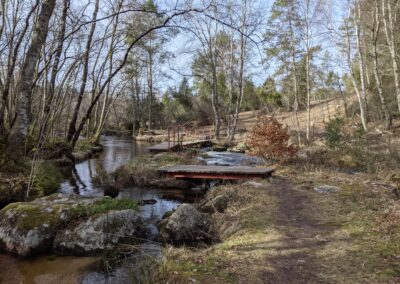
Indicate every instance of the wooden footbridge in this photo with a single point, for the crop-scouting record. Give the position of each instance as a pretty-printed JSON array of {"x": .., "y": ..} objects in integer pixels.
[
  {"x": 179, "y": 138},
  {"x": 216, "y": 172}
]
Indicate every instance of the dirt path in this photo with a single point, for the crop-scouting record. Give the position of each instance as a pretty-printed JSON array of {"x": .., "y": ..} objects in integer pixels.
[
  {"x": 285, "y": 232},
  {"x": 303, "y": 236}
]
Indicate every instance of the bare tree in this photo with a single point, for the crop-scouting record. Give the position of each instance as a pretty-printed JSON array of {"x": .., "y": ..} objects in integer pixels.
[
  {"x": 39, "y": 34},
  {"x": 388, "y": 17},
  {"x": 374, "y": 37},
  {"x": 86, "y": 56}
]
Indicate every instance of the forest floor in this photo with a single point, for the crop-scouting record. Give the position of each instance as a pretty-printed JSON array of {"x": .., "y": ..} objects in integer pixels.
[
  {"x": 320, "y": 113},
  {"x": 283, "y": 231}
]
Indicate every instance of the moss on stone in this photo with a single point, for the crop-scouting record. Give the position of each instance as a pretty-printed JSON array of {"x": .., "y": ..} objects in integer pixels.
[
  {"x": 29, "y": 216},
  {"x": 102, "y": 206}
]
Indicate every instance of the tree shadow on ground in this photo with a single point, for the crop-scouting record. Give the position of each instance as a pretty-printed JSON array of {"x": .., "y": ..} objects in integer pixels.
[{"x": 304, "y": 236}]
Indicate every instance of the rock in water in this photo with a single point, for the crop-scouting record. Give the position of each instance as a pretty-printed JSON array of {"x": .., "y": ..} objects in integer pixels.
[
  {"x": 98, "y": 232},
  {"x": 186, "y": 225},
  {"x": 147, "y": 202},
  {"x": 111, "y": 191},
  {"x": 28, "y": 228}
]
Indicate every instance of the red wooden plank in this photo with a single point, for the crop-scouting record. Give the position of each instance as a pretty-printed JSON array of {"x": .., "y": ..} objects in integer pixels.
[{"x": 216, "y": 176}]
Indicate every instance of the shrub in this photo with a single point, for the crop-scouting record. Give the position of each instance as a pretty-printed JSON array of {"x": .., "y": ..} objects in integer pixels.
[
  {"x": 47, "y": 179},
  {"x": 270, "y": 140},
  {"x": 334, "y": 132}
]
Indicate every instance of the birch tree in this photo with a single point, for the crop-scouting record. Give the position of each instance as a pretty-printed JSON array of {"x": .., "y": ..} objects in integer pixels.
[
  {"x": 377, "y": 73},
  {"x": 39, "y": 34},
  {"x": 389, "y": 11}
]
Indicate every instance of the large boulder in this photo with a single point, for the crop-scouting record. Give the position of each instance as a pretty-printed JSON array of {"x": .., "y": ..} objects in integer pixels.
[
  {"x": 71, "y": 224},
  {"x": 186, "y": 225},
  {"x": 99, "y": 232},
  {"x": 28, "y": 228}
]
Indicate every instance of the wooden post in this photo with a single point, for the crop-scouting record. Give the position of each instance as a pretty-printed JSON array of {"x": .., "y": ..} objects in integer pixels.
[
  {"x": 178, "y": 137},
  {"x": 169, "y": 138},
  {"x": 174, "y": 137}
]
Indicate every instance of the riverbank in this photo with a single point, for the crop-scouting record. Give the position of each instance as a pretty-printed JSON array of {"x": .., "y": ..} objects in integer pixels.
[
  {"x": 154, "y": 203},
  {"x": 15, "y": 179},
  {"x": 143, "y": 172},
  {"x": 287, "y": 229},
  {"x": 284, "y": 231},
  {"x": 310, "y": 223}
]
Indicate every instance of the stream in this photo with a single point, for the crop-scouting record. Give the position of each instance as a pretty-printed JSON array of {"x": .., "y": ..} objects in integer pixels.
[
  {"x": 117, "y": 151},
  {"x": 54, "y": 269}
]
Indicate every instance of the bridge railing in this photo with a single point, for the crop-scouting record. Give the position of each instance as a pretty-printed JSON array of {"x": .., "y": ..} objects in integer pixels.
[{"x": 178, "y": 134}]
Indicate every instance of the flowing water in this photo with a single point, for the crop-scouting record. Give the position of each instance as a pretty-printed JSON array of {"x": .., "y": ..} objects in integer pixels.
[
  {"x": 117, "y": 151},
  {"x": 51, "y": 269},
  {"x": 230, "y": 159}
]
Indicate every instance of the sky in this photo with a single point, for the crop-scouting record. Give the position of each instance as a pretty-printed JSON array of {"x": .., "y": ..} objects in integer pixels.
[{"x": 175, "y": 68}]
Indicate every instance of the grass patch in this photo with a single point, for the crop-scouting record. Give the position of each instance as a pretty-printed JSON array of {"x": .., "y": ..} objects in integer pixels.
[
  {"x": 365, "y": 246},
  {"x": 352, "y": 236},
  {"x": 355, "y": 157},
  {"x": 144, "y": 169}
]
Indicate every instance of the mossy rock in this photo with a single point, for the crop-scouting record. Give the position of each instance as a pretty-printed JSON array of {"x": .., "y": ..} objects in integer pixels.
[
  {"x": 28, "y": 228},
  {"x": 98, "y": 233}
]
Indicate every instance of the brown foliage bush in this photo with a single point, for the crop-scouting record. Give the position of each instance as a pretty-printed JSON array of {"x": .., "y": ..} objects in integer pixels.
[{"x": 270, "y": 139}]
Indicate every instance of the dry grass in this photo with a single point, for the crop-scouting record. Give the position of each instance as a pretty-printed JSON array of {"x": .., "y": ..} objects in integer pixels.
[{"x": 285, "y": 232}]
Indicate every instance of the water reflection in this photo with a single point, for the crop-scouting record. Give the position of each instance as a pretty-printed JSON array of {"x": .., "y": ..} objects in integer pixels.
[
  {"x": 155, "y": 211},
  {"x": 117, "y": 151}
]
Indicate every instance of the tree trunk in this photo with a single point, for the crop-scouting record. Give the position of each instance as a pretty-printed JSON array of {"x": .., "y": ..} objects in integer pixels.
[
  {"x": 392, "y": 45},
  {"x": 18, "y": 133},
  {"x": 374, "y": 37},
  {"x": 241, "y": 72},
  {"x": 361, "y": 62},
  {"x": 12, "y": 59},
  {"x": 352, "y": 75},
  {"x": 150, "y": 86},
  {"x": 295, "y": 83},
  {"x": 308, "y": 85},
  {"x": 346, "y": 111},
  {"x": 54, "y": 70},
  {"x": 72, "y": 126}
]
